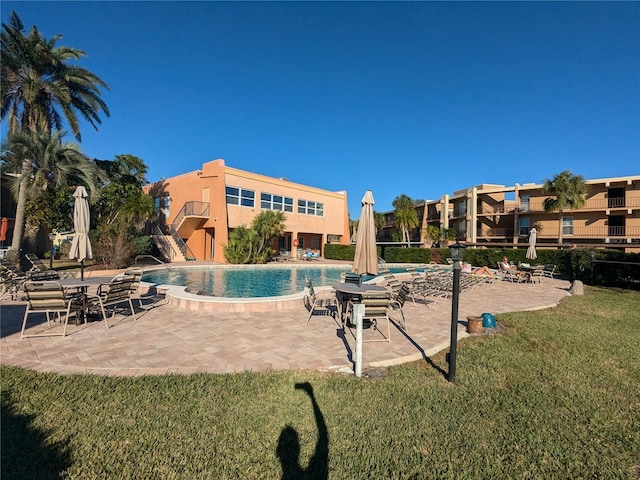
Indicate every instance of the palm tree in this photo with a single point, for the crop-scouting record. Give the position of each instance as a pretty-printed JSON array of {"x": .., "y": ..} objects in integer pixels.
[
  {"x": 43, "y": 163},
  {"x": 122, "y": 201},
  {"x": 405, "y": 215},
  {"x": 430, "y": 235},
  {"x": 267, "y": 225},
  {"x": 40, "y": 90},
  {"x": 568, "y": 192},
  {"x": 379, "y": 221}
]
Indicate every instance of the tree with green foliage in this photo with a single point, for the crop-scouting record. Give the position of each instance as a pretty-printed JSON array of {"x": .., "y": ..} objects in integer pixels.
[
  {"x": 251, "y": 245},
  {"x": 123, "y": 202},
  {"x": 568, "y": 193},
  {"x": 379, "y": 221},
  {"x": 353, "y": 229},
  {"x": 240, "y": 245},
  {"x": 41, "y": 90},
  {"x": 405, "y": 214},
  {"x": 47, "y": 169},
  {"x": 430, "y": 235},
  {"x": 121, "y": 211},
  {"x": 267, "y": 225},
  {"x": 447, "y": 235}
]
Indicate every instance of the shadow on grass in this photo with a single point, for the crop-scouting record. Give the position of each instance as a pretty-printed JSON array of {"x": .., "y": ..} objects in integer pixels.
[
  {"x": 420, "y": 349},
  {"x": 25, "y": 452},
  {"x": 288, "y": 450}
]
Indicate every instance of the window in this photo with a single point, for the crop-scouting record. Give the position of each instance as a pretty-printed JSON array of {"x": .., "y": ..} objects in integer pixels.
[
  {"x": 462, "y": 209},
  {"x": 276, "y": 202},
  {"x": 166, "y": 199},
  {"x": 567, "y": 225},
  {"x": 461, "y": 228},
  {"x": 156, "y": 200},
  {"x": 524, "y": 202},
  {"x": 240, "y": 196},
  {"x": 307, "y": 207},
  {"x": 524, "y": 226}
]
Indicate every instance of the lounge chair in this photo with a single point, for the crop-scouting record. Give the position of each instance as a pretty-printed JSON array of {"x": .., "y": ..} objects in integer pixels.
[
  {"x": 392, "y": 282},
  {"x": 39, "y": 271},
  {"x": 11, "y": 281},
  {"x": 319, "y": 303},
  {"x": 46, "y": 297},
  {"x": 352, "y": 278},
  {"x": 512, "y": 275}
]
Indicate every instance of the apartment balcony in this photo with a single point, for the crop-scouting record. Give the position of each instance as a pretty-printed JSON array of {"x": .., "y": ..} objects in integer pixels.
[
  {"x": 494, "y": 209},
  {"x": 494, "y": 233},
  {"x": 596, "y": 233},
  {"x": 191, "y": 216},
  {"x": 613, "y": 203}
]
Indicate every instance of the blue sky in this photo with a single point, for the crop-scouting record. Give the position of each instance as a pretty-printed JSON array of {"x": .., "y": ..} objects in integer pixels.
[{"x": 420, "y": 98}]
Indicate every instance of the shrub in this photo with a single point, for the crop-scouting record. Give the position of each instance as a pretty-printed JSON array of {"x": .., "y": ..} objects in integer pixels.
[
  {"x": 114, "y": 248},
  {"x": 407, "y": 255},
  {"x": 336, "y": 251}
]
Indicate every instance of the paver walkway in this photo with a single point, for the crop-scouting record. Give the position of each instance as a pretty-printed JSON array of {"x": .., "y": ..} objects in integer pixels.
[{"x": 166, "y": 339}]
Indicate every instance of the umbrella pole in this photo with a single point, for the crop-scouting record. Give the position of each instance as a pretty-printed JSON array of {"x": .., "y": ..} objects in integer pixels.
[{"x": 82, "y": 270}]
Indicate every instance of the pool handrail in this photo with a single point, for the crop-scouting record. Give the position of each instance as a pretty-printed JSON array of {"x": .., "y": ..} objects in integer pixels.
[{"x": 135, "y": 262}]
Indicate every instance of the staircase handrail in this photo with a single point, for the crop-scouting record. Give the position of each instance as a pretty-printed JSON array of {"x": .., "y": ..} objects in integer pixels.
[
  {"x": 184, "y": 248},
  {"x": 165, "y": 247}
]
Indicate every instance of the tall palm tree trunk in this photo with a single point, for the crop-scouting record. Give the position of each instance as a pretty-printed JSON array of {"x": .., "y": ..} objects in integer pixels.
[
  {"x": 18, "y": 226},
  {"x": 560, "y": 238}
]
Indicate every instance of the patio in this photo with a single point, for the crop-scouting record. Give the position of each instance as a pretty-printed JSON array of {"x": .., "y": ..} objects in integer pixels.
[{"x": 166, "y": 339}]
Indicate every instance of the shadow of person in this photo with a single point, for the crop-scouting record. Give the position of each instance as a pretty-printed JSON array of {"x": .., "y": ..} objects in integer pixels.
[{"x": 288, "y": 449}]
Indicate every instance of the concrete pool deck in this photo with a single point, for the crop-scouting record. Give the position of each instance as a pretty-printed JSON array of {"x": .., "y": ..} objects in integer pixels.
[{"x": 167, "y": 339}]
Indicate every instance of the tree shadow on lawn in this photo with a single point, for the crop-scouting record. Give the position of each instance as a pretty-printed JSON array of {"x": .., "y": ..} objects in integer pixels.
[{"x": 25, "y": 453}]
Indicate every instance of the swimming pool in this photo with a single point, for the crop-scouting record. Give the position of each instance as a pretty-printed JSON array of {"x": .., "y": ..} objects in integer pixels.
[{"x": 247, "y": 281}]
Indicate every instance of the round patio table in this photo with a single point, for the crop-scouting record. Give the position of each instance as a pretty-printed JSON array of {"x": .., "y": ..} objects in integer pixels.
[{"x": 350, "y": 292}]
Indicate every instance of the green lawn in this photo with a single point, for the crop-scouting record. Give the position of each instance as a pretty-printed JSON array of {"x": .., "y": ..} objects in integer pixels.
[{"x": 556, "y": 396}]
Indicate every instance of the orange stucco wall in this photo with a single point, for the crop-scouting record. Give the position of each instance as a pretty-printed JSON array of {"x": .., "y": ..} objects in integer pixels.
[{"x": 210, "y": 232}]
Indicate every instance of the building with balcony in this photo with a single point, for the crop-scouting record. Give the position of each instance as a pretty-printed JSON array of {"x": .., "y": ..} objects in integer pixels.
[
  {"x": 499, "y": 215},
  {"x": 200, "y": 208}
]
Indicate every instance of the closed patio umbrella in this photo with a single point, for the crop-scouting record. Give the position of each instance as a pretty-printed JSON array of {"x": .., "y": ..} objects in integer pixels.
[
  {"x": 81, "y": 245},
  {"x": 366, "y": 257},
  {"x": 531, "y": 251}
]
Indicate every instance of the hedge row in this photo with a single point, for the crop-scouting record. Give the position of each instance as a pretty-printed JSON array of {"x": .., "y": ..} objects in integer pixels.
[{"x": 592, "y": 266}]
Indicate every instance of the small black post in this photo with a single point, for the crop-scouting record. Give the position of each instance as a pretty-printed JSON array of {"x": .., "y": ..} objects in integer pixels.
[
  {"x": 82, "y": 270},
  {"x": 454, "y": 321},
  {"x": 51, "y": 237}
]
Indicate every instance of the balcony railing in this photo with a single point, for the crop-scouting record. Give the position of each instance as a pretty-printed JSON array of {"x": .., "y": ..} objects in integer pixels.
[
  {"x": 592, "y": 204},
  {"x": 495, "y": 233},
  {"x": 193, "y": 209},
  {"x": 598, "y": 233},
  {"x": 491, "y": 209}
]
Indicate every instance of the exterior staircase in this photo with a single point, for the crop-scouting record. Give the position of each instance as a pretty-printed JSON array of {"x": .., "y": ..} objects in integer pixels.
[{"x": 167, "y": 246}]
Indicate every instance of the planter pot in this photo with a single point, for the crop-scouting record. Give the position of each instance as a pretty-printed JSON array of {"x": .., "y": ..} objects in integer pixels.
[{"x": 474, "y": 324}]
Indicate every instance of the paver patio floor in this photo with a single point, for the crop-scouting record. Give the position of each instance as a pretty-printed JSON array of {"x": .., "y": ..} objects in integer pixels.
[{"x": 165, "y": 339}]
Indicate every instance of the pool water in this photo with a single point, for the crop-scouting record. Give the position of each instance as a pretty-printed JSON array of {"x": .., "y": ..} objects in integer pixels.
[{"x": 247, "y": 282}]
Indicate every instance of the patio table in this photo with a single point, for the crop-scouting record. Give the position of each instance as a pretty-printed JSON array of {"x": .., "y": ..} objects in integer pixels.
[
  {"x": 77, "y": 291},
  {"x": 346, "y": 292}
]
